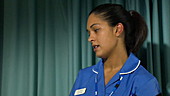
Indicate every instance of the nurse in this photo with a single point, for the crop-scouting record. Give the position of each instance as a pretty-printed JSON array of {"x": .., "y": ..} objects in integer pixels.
[{"x": 116, "y": 35}]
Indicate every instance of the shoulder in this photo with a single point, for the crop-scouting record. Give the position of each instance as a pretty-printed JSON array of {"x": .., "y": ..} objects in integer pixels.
[
  {"x": 145, "y": 83},
  {"x": 86, "y": 71},
  {"x": 141, "y": 74},
  {"x": 84, "y": 74}
]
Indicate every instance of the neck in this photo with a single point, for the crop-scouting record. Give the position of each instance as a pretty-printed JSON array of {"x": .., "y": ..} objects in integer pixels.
[{"x": 116, "y": 60}]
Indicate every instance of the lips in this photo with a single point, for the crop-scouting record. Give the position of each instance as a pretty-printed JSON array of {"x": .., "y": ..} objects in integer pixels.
[{"x": 95, "y": 47}]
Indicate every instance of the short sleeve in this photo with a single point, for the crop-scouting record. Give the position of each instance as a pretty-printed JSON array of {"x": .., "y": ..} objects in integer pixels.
[{"x": 150, "y": 88}]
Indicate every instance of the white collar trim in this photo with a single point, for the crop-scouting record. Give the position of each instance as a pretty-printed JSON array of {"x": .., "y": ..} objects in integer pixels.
[
  {"x": 95, "y": 71},
  {"x": 125, "y": 73},
  {"x": 131, "y": 70}
]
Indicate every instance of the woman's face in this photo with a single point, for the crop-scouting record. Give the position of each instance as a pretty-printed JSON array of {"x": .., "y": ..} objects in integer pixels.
[{"x": 102, "y": 36}]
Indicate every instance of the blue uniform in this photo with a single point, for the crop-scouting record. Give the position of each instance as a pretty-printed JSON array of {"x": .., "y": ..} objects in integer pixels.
[{"x": 132, "y": 80}]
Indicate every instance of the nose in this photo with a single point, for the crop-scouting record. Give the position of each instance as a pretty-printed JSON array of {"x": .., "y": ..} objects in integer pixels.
[{"x": 91, "y": 38}]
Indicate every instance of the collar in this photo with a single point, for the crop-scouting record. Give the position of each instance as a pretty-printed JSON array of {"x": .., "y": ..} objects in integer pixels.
[
  {"x": 131, "y": 65},
  {"x": 98, "y": 67}
]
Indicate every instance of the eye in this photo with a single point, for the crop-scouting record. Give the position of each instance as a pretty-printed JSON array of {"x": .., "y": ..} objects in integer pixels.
[{"x": 96, "y": 30}]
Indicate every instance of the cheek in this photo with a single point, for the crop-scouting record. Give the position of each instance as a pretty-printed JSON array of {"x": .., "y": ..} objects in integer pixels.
[
  {"x": 109, "y": 43},
  {"x": 108, "y": 39}
]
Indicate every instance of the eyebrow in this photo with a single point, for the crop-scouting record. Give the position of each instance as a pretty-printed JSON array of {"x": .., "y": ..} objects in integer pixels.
[{"x": 94, "y": 25}]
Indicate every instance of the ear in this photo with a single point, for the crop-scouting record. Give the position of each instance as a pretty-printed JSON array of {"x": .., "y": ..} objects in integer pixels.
[{"x": 119, "y": 29}]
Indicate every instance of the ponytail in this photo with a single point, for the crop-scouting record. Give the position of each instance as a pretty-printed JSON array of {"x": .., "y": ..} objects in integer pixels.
[{"x": 135, "y": 38}]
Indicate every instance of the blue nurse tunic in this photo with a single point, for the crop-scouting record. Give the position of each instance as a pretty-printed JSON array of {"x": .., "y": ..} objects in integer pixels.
[{"x": 132, "y": 80}]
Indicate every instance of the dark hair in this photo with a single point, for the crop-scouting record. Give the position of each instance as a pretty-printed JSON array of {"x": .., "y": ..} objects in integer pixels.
[{"x": 134, "y": 25}]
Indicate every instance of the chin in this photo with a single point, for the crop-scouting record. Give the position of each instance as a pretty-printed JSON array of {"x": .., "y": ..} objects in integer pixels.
[{"x": 100, "y": 55}]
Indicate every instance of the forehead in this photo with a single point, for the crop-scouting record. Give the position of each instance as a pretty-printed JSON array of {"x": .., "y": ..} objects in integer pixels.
[{"x": 95, "y": 19}]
